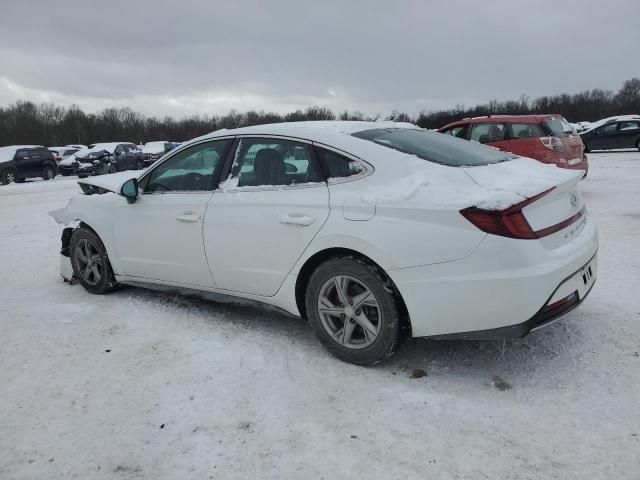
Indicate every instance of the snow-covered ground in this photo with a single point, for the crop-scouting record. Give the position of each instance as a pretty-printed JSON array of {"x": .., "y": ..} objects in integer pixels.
[{"x": 139, "y": 384}]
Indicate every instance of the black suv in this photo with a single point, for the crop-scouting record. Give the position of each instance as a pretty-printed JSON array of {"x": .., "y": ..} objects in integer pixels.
[
  {"x": 19, "y": 162},
  {"x": 621, "y": 133}
]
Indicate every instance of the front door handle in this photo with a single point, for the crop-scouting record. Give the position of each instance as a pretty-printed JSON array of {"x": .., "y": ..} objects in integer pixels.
[
  {"x": 296, "y": 219},
  {"x": 188, "y": 217}
]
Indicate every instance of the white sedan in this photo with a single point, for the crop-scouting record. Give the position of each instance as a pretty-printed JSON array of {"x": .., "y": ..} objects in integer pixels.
[{"x": 370, "y": 231}]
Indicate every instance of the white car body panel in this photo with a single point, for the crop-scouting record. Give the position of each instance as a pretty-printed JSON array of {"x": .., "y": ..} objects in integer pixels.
[
  {"x": 403, "y": 214},
  {"x": 172, "y": 223},
  {"x": 283, "y": 221}
]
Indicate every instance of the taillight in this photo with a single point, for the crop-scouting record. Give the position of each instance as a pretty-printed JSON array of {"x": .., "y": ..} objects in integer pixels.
[
  {"x": 509, "y": 223},
  {"x": 552, "y": 143}
]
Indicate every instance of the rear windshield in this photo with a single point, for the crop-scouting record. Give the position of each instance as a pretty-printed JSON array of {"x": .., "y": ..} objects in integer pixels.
[
  {"x": 558, "y": 127},
  {"x": 435, "y": 147}
]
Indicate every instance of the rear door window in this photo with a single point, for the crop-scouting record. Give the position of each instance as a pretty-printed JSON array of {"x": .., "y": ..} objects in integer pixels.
[
  {"x": 272, "y": 162},
  {"x": 35, "y": 154},
  {"x": 488, "y": 132},
  {"x": 526, "y": 130}
]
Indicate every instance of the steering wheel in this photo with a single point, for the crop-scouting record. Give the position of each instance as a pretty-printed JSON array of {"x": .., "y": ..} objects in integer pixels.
[{"x": 192, "y": 181}]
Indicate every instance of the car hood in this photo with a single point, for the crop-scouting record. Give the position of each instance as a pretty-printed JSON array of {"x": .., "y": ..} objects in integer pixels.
[{"x": 111, "y": 182}]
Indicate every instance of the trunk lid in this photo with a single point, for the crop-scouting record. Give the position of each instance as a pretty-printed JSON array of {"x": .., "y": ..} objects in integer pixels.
[{"x": 557, "y": 216}]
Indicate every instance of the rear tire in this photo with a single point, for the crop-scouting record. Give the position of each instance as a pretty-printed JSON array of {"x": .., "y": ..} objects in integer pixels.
[
  {"x": 48, "y": 172},
  {"x": 586, "y": 147},
  {"x": 90, "y": 262},
  {"x": 349, "y": 297},
  {"x": 638, "y": 145}
]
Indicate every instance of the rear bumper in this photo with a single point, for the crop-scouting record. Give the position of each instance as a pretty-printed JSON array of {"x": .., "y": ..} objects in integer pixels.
[
  {"x": 503, "y": 286},
  {"x": 556, "y": 307}
]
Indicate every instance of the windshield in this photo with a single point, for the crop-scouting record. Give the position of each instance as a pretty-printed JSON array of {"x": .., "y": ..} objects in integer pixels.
[{"x": 435, "y": 147}]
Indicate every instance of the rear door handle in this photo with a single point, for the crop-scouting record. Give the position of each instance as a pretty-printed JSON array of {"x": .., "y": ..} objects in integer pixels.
[
  {"x": 296, "y": 219},
  {"x": 188, "y": 217}
]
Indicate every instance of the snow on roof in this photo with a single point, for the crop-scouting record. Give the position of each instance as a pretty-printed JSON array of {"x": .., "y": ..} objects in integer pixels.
[
  {"x": 320, "y": 131},
  {"x": 7, "y": 153},
  {"x": 154, "y": 147}
]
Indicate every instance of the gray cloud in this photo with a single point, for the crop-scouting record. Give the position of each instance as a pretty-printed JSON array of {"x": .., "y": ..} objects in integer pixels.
[{"x": 207, "y": 57}]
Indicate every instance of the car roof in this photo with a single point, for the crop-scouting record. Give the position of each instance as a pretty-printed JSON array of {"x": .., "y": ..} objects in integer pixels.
[
  {"x": 7, "y": 153},
  {"x": 503, "y": 118},
  {"x": 319, "y": 131}
]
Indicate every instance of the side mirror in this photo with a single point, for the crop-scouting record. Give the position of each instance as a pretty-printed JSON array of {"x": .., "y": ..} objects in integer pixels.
[{"x": 129, "y": 190}]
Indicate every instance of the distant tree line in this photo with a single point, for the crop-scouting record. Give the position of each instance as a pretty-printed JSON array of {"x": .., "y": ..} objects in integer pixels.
[{"x": 24, "y": 122}]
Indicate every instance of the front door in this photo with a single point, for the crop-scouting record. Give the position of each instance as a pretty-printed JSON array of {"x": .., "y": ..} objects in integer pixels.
[
  {"x": 604, "y": 137},
  {"x": 263, "y": 217},
  {"x": 159, "y": 237}
]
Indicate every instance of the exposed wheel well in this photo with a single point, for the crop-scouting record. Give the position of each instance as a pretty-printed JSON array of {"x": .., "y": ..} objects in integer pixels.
[
  {"x": 68, "y": 232},
  {"x": 318, "y": 258}
]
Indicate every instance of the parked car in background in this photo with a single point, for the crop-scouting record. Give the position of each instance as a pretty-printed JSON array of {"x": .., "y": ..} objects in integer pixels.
[
  {"x": 371, "y": 231},
  {"x": 154, "y": 150},
  {"x": 77, "y": 146},
  {"x": 60, "y": 153},
  {"x": 546, "y": 138},
  {"x": 103, "y": 158},
  {"x": 19, "y": 162},
  {"x": 623, "y": 132}
]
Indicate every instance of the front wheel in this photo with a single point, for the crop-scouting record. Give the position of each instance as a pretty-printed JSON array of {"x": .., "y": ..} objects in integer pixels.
[
  {"x": 352, "y": 309},
  {"x": 90, "y": 262}
]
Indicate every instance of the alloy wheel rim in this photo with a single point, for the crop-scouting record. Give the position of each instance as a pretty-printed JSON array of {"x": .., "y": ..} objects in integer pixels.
[
  {"x": 349, "y": 312},
  {"x": 49, "y": 173},
  {"x": 11, "y": 177},
  {"x": 88, "y": 262}
]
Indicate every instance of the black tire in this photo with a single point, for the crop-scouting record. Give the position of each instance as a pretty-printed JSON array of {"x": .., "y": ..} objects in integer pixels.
[
  {"x": 82, "y": 270},
  {"x": 638, "y": 145},
  {"x": 586, "y": 147},
  {"x": 113, "y": 167},
  {"x": 48, "y": 172},
  {"x": 389, "y": 320},
  {"x": 8, "y": 176},
  {"x": 140, "y": 164}
]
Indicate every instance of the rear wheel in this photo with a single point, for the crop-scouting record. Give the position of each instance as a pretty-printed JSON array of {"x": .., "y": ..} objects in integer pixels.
[
  {"x": 48, "y": 173},
  {"x": 352, "y": 310},
  {"x": 90, "y": 262},
  {"x": 8, "y": 176},
  {"x": 638, "y": 145},
  {"x": 586, "y": 147}
]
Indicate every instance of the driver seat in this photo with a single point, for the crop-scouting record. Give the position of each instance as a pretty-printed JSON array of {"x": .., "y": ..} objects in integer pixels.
[{"x": 268, "y": 167}]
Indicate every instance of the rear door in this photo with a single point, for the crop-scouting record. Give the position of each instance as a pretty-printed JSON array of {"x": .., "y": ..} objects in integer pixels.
[
  {"x": 525, "y": 138},
  {"x": 491, "y": 133},
  {"x": 628, "y": 134},
  {"x": 263, "y": 217}
]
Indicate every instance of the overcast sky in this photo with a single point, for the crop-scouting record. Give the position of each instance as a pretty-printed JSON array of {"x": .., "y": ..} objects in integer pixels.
[{"x": 205, "y": 56}]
